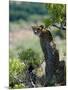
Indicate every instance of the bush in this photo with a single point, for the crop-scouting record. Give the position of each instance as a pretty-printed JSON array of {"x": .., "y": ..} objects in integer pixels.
[
  {"x": 29, "y": 56},
  {"x": 19, "y": 86},
  {"x": 16, "y": 69}
]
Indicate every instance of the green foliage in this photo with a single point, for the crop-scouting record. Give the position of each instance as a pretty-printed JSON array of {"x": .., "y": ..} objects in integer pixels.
[
  {"x": 15, "y": 70},
  {"x": 19, "y": 86},
  {"x": 18, "y": 68},
  {"x": 29, "y": 57},
  {"x": 57, "y": 12},
  {"x": 23, "y": 10},
  {"x": 47, "y": 22}
]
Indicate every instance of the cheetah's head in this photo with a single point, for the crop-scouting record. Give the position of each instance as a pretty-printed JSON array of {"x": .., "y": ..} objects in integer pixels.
[{"x": 37, "y": 29}]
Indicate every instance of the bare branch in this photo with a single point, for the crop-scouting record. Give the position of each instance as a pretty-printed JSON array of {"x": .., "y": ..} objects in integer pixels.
[{"x": 59, "y": 27}]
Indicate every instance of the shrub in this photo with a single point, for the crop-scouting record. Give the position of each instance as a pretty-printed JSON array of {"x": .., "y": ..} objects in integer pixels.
[
  {"x": 29, "y": 57},
  {"x": 16, "y": 69},
  {"x": 19, "y": 86}
]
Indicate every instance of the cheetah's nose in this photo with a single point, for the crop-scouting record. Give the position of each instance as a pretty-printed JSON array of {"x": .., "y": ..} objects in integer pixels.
[{"x": 35, "y": 32}]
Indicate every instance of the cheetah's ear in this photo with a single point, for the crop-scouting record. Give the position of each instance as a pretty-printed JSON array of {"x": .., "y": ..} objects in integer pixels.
[
  {"x": 44, "y": 29},
  {"x": 41, "y": 26}
]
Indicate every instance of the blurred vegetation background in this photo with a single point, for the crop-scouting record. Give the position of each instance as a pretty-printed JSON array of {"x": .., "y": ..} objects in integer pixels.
[{"x": 24, "y": 45}]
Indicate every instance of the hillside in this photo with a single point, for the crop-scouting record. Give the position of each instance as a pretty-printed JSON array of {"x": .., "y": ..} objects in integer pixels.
[{"x": 25, "y": 10}]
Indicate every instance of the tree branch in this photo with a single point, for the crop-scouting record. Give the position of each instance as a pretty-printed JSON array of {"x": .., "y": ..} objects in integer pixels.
[{"x": 59, "y": 27}]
